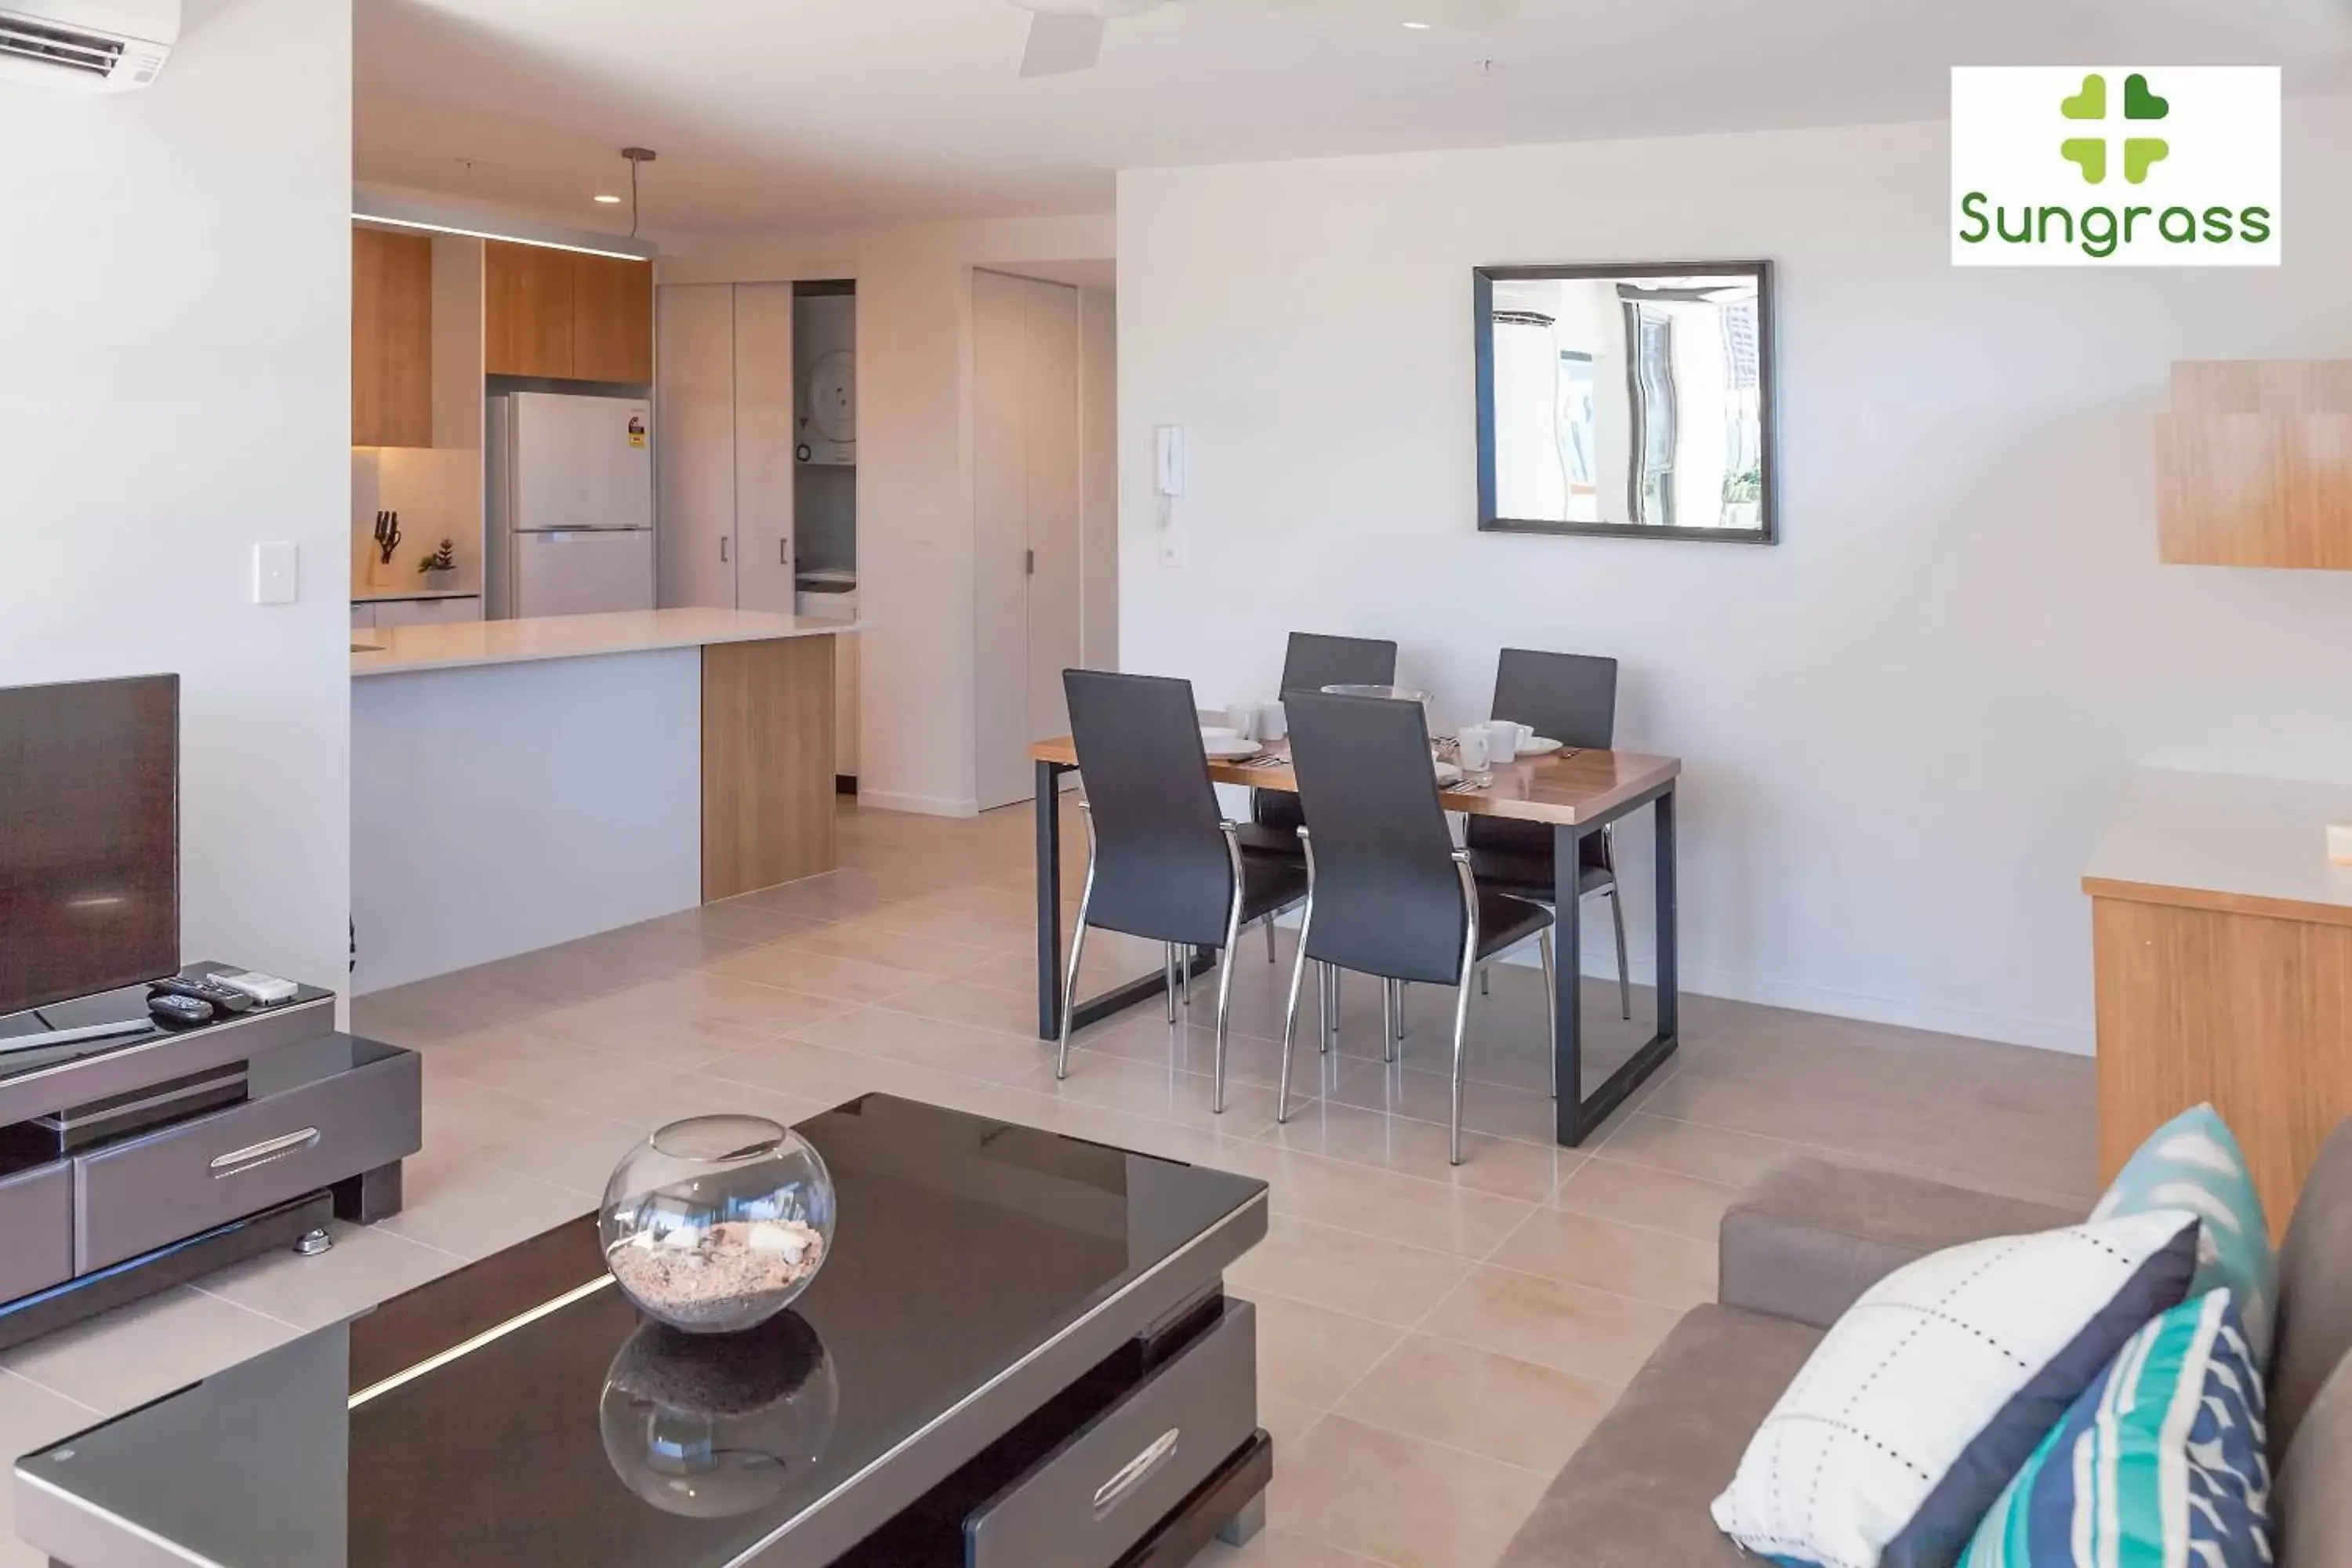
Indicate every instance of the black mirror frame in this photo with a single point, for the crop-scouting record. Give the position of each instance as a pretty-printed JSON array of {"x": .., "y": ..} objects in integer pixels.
[{"x": 1482, "y": 281}]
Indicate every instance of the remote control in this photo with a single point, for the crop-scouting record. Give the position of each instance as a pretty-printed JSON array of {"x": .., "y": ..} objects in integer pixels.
[
  {"x": 220, "y": 998},
  {"x": 179, "y": 1012}
]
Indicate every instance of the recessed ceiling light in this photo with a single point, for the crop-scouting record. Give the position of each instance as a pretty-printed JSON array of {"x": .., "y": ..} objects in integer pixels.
[
  {"x": 1418, "y": 27},
  {"x": 609, "y": 201}
]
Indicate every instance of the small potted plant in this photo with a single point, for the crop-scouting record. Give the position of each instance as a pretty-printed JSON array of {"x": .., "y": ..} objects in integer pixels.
[{"x": 439, "y": 569}]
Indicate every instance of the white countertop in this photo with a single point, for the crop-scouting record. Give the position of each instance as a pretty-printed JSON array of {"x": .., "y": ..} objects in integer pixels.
[
  {"x": 2222, "y": 834},
  {"x": 394, "y": 596},
  {"x": 393, "y": 651}
]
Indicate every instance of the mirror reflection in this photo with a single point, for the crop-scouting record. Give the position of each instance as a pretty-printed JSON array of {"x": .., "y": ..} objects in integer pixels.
[{"x": 1625, "y": 400}]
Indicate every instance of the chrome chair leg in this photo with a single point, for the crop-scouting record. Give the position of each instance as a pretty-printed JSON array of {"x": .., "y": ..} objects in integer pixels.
[
  {"x": 1168, "y": 977},
  {"x": 1624, "y": 977},
  {"x": 1483, "y": 989},
  {"x": 1389, "y": 1011},
  {"x": 1070, "y": 981},
  {"x": 1269, "y": 939},
  {"x": 1329, "y": 1019},
  {"x": 1290, "y": 1009},
  {"x": 1225, "y": 958},
  {"x": 1462, "y": 996},
  {"x": 1552, "y": 1012}
]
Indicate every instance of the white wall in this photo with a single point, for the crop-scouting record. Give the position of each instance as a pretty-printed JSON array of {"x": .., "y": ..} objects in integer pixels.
[
  {"x": 176, "y": 384},
  {"x": 914, "y": 479},
  {"x": 1901, "y": 726}
]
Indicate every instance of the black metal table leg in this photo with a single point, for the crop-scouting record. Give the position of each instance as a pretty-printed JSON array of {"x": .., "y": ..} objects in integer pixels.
[
  {"x": 1049, "y": 900},
  {"x": 1577, "y": 1115}
]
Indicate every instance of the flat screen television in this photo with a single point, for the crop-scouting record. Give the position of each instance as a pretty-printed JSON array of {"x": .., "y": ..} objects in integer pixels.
[{"x": 89, "y": 838}]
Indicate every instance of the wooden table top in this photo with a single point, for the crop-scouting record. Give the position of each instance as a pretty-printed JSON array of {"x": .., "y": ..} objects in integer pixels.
[{"x": 1569, "y": 786}]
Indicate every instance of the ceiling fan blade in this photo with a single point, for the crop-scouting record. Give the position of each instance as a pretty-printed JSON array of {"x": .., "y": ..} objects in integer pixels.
[
  {"x": 1466, "y": 14},
  {"x": 1060, "y": 43}
]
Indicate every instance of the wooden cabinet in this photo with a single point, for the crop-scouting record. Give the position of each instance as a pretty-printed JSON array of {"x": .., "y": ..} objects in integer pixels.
[
  {"x": 2254, "y": 464},
  {"x": 612, "y": 320},
  {"x": 527, "y": 305},
  {"x": 565, "y": 316},
  {"x": 391, "y": 339}
]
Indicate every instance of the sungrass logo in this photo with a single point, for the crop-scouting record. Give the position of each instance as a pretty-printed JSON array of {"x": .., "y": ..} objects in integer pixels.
[{"x": 2119, "y": 166}]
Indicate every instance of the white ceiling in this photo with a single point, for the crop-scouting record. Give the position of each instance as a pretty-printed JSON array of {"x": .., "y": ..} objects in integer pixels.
[{"x": 777, "y": 114}]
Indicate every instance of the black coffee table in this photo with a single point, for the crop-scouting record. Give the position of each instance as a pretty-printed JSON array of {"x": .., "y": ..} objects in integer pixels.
[{"x": 1018, "y": 1355}]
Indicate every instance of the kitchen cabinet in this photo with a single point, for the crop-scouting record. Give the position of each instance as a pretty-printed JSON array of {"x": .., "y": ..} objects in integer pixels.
[
  {"x": 723, "y": 465},
  {"x": 379, "y": 614},
  {"x": 2253, "y": 465},
  {"x": 391, "y": 339},
  {"x": 561, "y": 315}
]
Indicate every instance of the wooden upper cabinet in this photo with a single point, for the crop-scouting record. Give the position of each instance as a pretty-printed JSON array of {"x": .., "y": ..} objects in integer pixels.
[
  {"x": 559, "y": 314},
  {"x": 2254, "y": 464},
  {"x": 612, "y": 320},
  {"x": 527, "y": 303},
  {"x": 391, "y": 339}
]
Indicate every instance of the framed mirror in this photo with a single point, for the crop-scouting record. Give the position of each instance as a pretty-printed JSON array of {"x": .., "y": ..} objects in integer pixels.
[{"x": 1632, "y": 400}]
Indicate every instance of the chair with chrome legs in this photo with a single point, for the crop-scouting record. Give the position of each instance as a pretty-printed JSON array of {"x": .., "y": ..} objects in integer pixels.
[
  {"x": 1311, "y": 661},
  {"x": 1162, "y": 863},
  {"x": 1572, "y": 698},
  {"x": 1386, "y": 892}
]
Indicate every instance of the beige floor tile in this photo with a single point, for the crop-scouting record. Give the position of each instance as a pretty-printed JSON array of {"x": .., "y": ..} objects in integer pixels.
[
  {"x": 814, "y": 1072},
  {"x": 950, "y": 928},
  {"x": 1162, "y": 1094},
  {"x": 690, "y": 1019},
  {"x": 465, "y": 1207},
  {"x": 149, "y": 1348},
  {"x": 1363, "y": 1276},
  {"x": 1615, "y": 1189},
  {"x": 366, "y": 1266},
  {"x": 1274, "y": 1549},
  {"x": 1514, "y": 1169},
  {"x": 964, "y": 1002},
  {"x": 1102, "y": 1124},
  {"x": 1493, "y": 1406},
  {"x": 1285, "y": 1420},
  {"x": 1590, "y": 1332},
  {"x": 1492, "y": 1109},
  {"x": 574, "y": 1150},
  {"x": 461, "y": 1114},
  {"x": 1445, "y": 1216},
  {"x": 1578, "y": 1250},
  {"x": 1710, "y": 1153},
  {"x": 1312, "y": 1355},
  {"x": 32, "y": 1417},
  {"x": 827, "y": 975},
  {"x": 1402, "y": 1499},
  {"x": 1193, "y": 1046},
  {"x": 932, "y": 1043},
  {"x": 891, "y": 950}
]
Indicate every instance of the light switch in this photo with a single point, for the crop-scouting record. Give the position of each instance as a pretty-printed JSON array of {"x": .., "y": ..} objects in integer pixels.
[{"x": 275, "y": 575}]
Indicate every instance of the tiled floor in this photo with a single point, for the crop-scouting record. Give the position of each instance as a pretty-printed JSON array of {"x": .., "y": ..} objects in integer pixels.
[{"x": 1434, "y": 1341}]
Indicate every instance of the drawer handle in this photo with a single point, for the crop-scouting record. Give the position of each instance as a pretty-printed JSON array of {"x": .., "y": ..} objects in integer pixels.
[
  {"x": 1130, "y": 1474},
  {"x": 261, "y": 1154}
]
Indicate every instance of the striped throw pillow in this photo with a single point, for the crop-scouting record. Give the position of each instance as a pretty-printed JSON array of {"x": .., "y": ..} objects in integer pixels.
[{"x": 2160, "y": 1464}]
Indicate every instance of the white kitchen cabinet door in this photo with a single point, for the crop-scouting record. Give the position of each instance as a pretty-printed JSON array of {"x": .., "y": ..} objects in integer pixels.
[
  {"x": 426, "y": 612},
  {"x": 694, "y": 397},
  {"x": 763, "y": 447}
]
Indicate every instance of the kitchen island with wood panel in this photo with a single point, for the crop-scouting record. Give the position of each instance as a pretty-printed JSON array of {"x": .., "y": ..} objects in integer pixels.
[{"x": 518, "y": 784}]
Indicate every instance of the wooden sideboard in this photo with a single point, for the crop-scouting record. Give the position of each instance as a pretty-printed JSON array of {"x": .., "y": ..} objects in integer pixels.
[{"x": 2221, "y": 942}]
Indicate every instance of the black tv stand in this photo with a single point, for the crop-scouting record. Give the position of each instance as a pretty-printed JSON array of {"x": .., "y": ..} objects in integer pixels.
[{"x": 131, "y": 1163}]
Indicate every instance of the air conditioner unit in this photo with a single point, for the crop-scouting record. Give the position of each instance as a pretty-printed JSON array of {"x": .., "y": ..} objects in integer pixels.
[{"x": 87, "y": 46}]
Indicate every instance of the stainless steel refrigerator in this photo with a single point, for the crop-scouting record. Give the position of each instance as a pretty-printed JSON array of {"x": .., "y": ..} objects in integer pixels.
[{"x": 570, "y": 483}]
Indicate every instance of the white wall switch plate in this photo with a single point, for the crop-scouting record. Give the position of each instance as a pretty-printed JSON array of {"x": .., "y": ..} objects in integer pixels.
[{"x": 277, "y": 576}]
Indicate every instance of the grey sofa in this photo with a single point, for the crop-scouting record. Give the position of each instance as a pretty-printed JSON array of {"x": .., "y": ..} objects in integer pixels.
[{"x": 1796, "y": 1252}]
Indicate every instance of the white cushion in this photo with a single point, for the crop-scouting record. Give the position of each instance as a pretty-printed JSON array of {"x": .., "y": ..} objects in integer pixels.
[{"x": 1934, "y": 1387}]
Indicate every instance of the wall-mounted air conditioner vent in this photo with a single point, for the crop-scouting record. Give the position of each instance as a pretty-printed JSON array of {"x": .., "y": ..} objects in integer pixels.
[{"x": 92, "y": 46}]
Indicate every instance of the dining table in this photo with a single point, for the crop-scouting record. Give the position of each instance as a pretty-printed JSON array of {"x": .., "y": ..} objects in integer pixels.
[{"x": 1577, "y": 791}]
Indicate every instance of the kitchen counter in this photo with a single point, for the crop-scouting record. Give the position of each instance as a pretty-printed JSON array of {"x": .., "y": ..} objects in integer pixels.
[
  {"x": 2225, "y": 842},
  {"x": 398, "y": 595},
  {"x": 396, "y": 650}
]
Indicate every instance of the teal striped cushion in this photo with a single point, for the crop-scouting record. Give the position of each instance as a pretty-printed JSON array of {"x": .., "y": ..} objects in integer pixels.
[
  {"x": 2160, "y": 1464},
  {"x": 2193, "y": 1162}
]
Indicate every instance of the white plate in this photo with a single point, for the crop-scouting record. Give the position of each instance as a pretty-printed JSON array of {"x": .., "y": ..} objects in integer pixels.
[
  {"x": 1540, "y": 746},
  {"x": 1232, "y": 751},
  {"x": 1447, "y": 773}
]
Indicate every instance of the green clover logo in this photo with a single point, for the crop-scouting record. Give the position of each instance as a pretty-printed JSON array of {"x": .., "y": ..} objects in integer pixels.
[{"x": 2089, "y": 153}]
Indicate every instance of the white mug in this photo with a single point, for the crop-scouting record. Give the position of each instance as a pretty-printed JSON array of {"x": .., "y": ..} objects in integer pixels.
[
  {"x": 1470, "y": 743},
  {"x": 1243, "y": 717},
  {"x": 1272, "y": 725},
  {"x": 1502, "y": 741}
]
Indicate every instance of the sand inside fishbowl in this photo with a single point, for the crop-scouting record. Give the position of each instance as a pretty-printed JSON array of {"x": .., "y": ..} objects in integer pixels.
[{"x": 716, "y": 1275}]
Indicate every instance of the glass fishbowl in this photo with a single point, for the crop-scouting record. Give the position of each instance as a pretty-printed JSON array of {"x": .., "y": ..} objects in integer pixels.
[
  {"x": 715, "y": 1224},
  {"x": 708, "y": 1425}
]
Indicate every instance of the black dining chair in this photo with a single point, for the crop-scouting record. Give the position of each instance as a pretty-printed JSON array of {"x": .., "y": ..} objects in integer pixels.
[
  {"x": 1388, "y": 893},
  {"x": 1572, "y": 698},
  {"x": 1162, "y": 863},
  {"x": 1312, "y": 661}
]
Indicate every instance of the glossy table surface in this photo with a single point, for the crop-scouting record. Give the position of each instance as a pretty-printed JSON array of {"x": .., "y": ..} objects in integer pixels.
[
  {"x": 520, "y": 1411},
  {"x": 1568, "y": 787}
]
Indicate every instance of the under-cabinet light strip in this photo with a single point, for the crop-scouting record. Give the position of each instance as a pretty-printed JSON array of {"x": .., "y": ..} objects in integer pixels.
[{"x": 487, "y": 233}]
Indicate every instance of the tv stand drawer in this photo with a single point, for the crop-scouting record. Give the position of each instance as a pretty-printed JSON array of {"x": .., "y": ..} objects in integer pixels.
[
  {"x": 35, "y": 1230},
  {"x": 146, "y": 1191}
]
